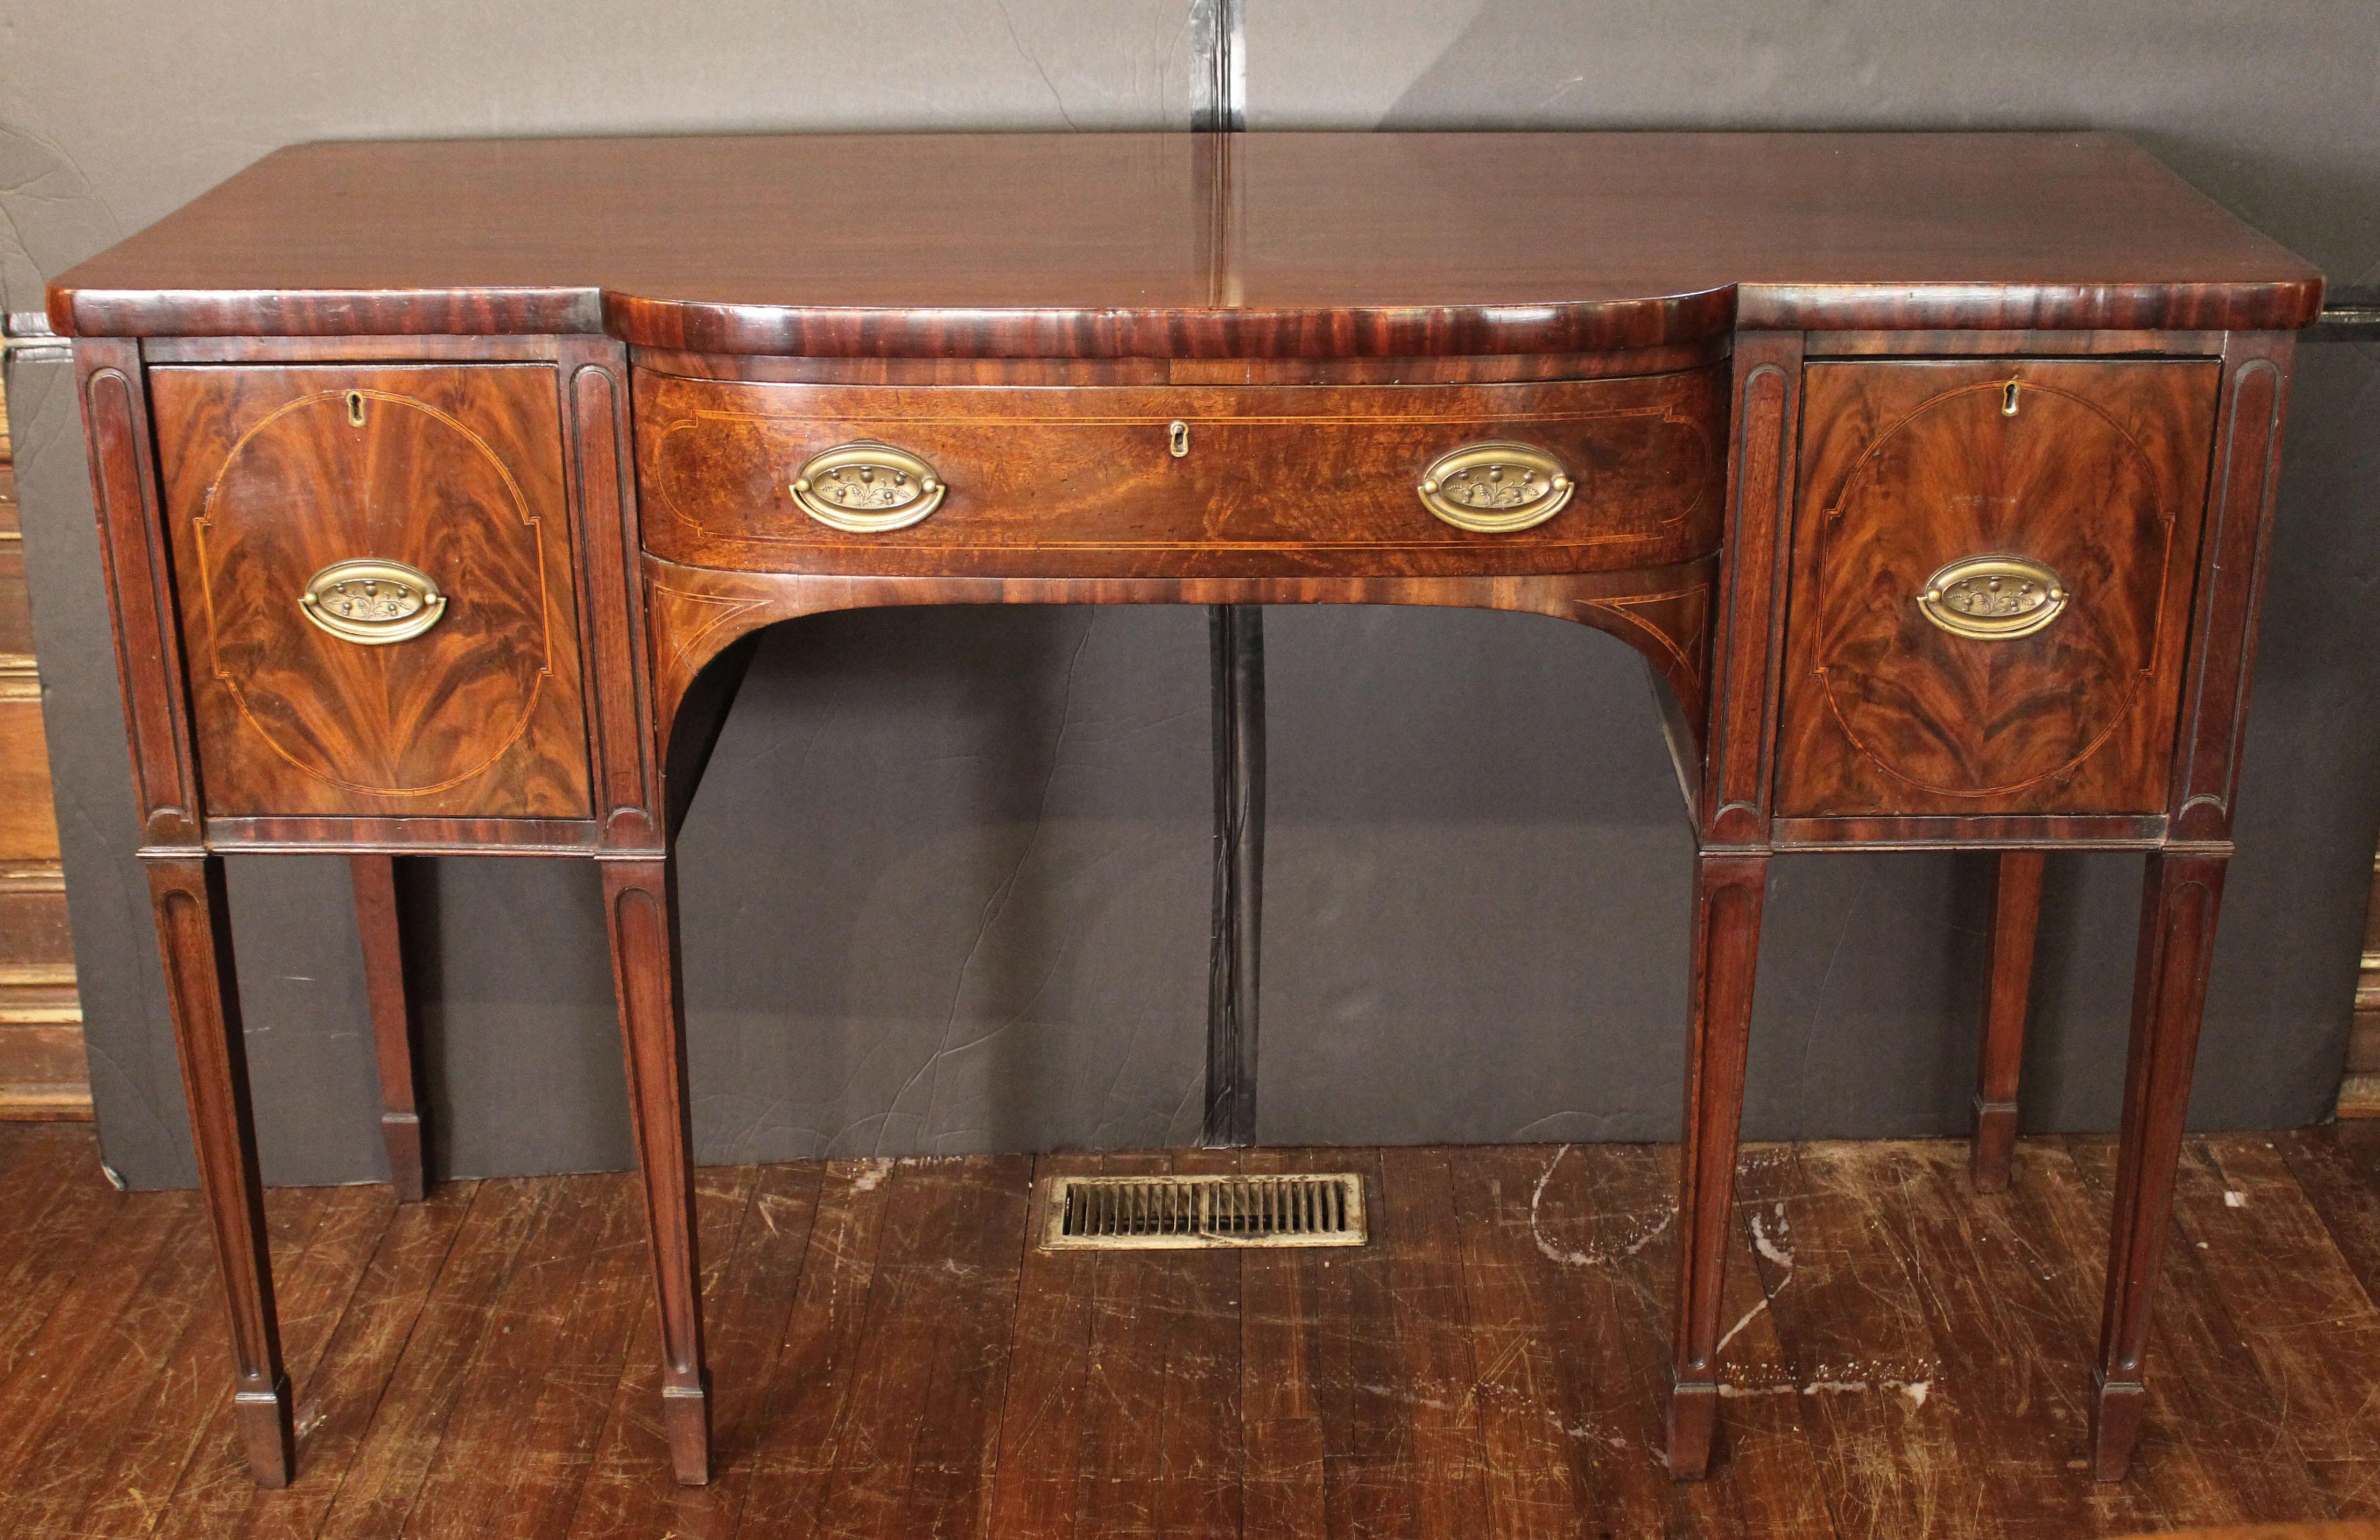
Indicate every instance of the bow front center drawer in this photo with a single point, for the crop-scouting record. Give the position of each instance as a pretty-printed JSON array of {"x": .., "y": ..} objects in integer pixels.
[{"x": 1199, "y": 481}]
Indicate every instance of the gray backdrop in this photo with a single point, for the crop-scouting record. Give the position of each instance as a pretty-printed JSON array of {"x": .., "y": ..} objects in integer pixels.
[{"x": 979, "y": 919}]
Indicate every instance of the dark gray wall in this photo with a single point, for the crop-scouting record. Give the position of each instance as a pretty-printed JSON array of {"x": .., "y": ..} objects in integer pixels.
[{"x": 983, "y": 923}]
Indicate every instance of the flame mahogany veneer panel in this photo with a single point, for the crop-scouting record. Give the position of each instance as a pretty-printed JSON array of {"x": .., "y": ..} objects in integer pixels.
[
  {"x": 2100, "y": 473},
  {"x": 456, "y": 470}
]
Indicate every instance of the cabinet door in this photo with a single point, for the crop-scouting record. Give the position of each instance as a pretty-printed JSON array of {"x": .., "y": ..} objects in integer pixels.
[
  {"x": 1992, "y": 569},
  {"x": 374, "y": 575}
]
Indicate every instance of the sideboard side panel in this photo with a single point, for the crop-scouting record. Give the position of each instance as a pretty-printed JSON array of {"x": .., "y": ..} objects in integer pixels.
[
  {"x": 1748, "y": 643},
  {"x": 2243, "y": 482}
]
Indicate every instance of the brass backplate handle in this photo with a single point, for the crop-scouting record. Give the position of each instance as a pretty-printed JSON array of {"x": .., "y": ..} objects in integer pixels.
[
  {"x": 372, "y": 602},
  {"x": 1993, "y": 598},
  {"x": 868, "y": 488},
  {"x": 1495, "y": 488}
]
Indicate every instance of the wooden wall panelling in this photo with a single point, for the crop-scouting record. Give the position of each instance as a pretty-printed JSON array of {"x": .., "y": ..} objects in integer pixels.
[
  {"x": 42, "y": 1074},
  {"x": 29, "y": 827},
  {"x": 2359, "y": 1089}
]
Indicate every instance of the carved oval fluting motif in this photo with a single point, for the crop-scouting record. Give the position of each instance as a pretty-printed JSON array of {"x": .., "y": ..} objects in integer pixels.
[
  {"x": 1494, "y": 487},
  {"x": 855, "y": 488},
  {"x": 868, "y": 488},
  {"x": 367, "y": 598}
]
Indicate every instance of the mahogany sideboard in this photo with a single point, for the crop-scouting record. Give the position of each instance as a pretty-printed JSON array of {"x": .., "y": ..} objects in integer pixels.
[{"x": 443, "y": 485}]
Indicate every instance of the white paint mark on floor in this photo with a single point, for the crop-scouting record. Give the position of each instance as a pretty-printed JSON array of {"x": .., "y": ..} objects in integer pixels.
[
  {"x": 2235, "y": 1200},
  {"x": 1917, "y": 1390},
  {"x": 1773, "y": 1246},
  {"x": 1644, "y": 1229}
]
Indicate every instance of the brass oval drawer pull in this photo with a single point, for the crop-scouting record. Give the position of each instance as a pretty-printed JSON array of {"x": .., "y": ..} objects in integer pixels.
[
  {"x": 372, "y": 602},
  {"x": 1993, "y": 598},
  {"x": 868, "y": 488},
  {"x": 1494, "y": 488}
]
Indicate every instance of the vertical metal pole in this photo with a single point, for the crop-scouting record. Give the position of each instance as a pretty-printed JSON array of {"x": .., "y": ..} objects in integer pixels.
[
  {"x": 1235, "y": 633},
  {"x": 1219, "y": 43}
]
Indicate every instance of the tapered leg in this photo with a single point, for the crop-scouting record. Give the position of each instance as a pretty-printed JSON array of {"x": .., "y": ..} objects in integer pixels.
[
  {"x": 640, "y": 897},
  {"x": 1727, "y": 893},
  {"x": 391, "y": 1021},
  {"x": 194, "y": 934},
  {"x": 2178, "y": 912},
  {"x": 2016, "y": 917}
]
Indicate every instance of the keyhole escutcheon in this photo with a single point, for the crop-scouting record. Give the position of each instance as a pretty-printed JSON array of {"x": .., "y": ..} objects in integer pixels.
[{"x": 1177, "y": 440}]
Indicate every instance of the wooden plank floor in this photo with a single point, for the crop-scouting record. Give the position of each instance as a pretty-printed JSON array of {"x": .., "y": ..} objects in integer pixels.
[{"x": 1905, "y": 1359}]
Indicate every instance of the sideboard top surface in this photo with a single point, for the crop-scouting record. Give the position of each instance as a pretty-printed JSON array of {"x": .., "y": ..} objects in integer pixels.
[{"x": 1177, "y": 245}]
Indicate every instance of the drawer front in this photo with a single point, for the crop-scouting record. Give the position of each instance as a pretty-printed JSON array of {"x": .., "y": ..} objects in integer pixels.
[
  {"x": 1184, "y": 480},
  {"x": 1992, "y": 570},
  {"x": 374, "y": 574}
]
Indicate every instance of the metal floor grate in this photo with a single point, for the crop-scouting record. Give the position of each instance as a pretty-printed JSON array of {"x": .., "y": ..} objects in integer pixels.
[{"x": 1105, "y": 1212}]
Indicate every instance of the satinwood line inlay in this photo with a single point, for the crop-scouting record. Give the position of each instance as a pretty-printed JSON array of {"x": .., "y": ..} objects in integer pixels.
[
  {"x": 1663, "y": 415},
  {"x": 201, "y": 525},
  {"x": 2135, "y": 683}
]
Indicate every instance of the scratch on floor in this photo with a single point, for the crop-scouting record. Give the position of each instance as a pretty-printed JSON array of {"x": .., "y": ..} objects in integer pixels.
[{"x": 1646, "y": 1228}]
